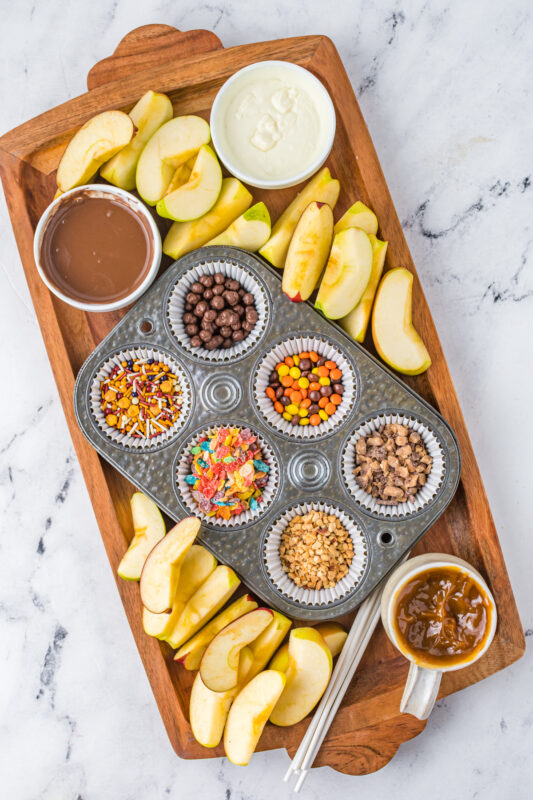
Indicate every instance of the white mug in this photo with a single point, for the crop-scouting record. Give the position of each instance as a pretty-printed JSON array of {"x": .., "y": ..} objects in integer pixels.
[{"x": 423, "y": 682}]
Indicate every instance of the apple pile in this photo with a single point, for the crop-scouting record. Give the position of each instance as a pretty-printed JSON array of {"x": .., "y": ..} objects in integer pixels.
[{"x": 236, "y": 689}]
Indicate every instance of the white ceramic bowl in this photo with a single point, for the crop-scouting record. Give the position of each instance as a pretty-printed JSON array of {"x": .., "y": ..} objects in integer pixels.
[
  {"x": 219, "y": 108},
  {"x": 100, "y": 190}
]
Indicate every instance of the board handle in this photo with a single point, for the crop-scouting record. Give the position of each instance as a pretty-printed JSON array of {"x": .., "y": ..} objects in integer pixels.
[{"x": 149, "y": 46}]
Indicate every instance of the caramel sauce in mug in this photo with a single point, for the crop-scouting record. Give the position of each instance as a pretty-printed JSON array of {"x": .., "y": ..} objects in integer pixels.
[{"x": 442, "y": 617}]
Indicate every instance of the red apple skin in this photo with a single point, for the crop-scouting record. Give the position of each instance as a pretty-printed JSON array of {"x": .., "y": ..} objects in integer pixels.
[{"x": 296, "y": 299}]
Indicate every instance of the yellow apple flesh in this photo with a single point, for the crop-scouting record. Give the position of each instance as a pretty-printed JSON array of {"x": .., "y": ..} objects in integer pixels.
[
  {"x": 220, "y": 662},
  {"x": 249, "y": 231},
  {"x": 148, "y": 529},
  {"x": 197, "y": 566},
  {"x": 208, "y": 711},
  {"x": 394, "y": 335},
  {"x": 203, "y": 605},
  {"x": 161, "y": 571},
  {"x": 148, "y": 114},
  {"x": 198, "y": 194},
  {"x": 322, "y": 188},
  {"x": 347, "y": 273},
  {"x": 267, "y": 642},
  {"x": 308, "y": 674},
  {"x": 234, "y": 199},
  {"x": 356, "y": 322},
  {"x": 358, "y": 216},
  {"x": 308, "y": 252},
  {"x": 95, "y": 142},
  {"x": 249, "y": 713},
  {"x": 170, "y": 146},
  {"x": 190, "y": 654},
  {"x": 334, "y": 636}
]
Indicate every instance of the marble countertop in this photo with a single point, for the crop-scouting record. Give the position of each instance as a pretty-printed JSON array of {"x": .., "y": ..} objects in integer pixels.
[{"x": 444, "y": 90}]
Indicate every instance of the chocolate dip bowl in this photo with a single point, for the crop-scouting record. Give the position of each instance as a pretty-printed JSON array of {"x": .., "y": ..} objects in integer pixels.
[{"x": 97, "y": 248}]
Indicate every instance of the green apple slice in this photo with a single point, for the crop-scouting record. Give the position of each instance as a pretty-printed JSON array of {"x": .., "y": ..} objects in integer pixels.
[
  {"x": 170, "y": 146},
  {"x": 234, "y": 199},
  {"x": 356, "y": 322},
  {"x": 98, "y": 140},
  {"x": 161, "y": 571},
  {"x": 358, "y": 216},
  {"x": 148, "y": 114},
  {"x": 347, "y": 273},
  {"x": 148, "y": 529},
  {"x": 250, "y": 231},
  {"x": 195, "y": 197}
]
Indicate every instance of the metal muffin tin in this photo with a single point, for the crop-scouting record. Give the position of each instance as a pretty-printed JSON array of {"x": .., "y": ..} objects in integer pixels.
[{"x": 309, "y": 470}]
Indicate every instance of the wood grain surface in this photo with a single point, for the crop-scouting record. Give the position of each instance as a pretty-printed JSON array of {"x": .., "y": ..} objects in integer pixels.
[{"x": 190, "y": 67}]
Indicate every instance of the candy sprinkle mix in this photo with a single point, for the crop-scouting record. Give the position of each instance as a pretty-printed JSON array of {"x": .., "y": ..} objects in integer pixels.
[
  {"x": 227, "y": 473},
  {"x": 141, "y": 398}
]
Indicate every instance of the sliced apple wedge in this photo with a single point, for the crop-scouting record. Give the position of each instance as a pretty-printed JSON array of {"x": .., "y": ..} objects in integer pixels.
[
  {"x": 161, "y": 571},
  {"x": 197, "y": 566},
  {"x": 334, "y": 636},
  {"x": 148, "y": 529},
  {"x": 356, "y": 322},
  {"x": 181, "y": 176},
  {"x": 308, "y": 674},
  {"x": 190, "y": 654},
  {"x": 95, "y": 142},
  {"x": 395, "y": 337},
  {"x": 322, "y": 188},
  {"x": 347, "y": 273},
  {"x": 249, "y": 231},
  {"x": 220, "y": 662},
  {"x": 249, "y": 713},
  {"x": 234, "y": 199},
  {"x": 203, "y": 605},
  {"x": 195, "y": 197},
  {"x": 267, "y": 642},
  {"x": 171, "y": 145},
  {"x": 148, "y": 114},
  {"x": 358, "y": 216},
  {"x": 308, "y": 252},
  {"x": 208, "y": 711}
]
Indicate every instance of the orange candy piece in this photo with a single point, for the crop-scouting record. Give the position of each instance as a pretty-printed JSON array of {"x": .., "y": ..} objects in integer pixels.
[
  {"x": 305, "y": 403},
  {"x": 279, "y": 407},
  {"x": 330, "y": 409},
  {"x": 295, "y": 397},
  {"x": 314, "y": 387},
  {"x": 323, "y": 402},
  {"x": 314, "y": 419},
  {"x": 271, "y": 393},
  {"x": 305, "y": 354},
  {"x": 335, "y": 374},
  {"x": 323, "y": 371},
  {"x": 330, "y": 365},
  {"x": 286, "y": 380},
  {"x": 289, "y": 360},
  {"x": 313, "y": 356},
  {"x": 336, "y": 399}
]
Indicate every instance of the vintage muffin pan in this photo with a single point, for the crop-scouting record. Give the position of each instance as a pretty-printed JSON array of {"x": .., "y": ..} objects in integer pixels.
[{"x": 310, "y": 467}]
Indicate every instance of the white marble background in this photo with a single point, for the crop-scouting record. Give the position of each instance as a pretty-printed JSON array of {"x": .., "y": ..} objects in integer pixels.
[{"x": 444, "y": 89}]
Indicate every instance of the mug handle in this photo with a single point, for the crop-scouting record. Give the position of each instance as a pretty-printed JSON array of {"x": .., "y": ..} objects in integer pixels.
[{"x": 421, "y": 690}]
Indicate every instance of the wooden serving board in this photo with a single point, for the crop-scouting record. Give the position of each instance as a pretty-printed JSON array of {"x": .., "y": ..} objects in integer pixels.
[{"x": 190, "y": 67}]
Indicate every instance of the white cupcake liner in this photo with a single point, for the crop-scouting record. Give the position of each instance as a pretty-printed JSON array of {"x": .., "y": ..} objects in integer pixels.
[
  {"x": 316, "y": 597},
  {"x": 246, "y": 517},
  {"x": 126, "y": 439},
  {"x": 176, "y": 308},
  {"x": 288, "y": 347},
  {"x": 433, "y": 481}
]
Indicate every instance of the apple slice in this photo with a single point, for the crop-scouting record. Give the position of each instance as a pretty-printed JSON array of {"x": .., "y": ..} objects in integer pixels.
[
  {"x": 358, "y": 216},
  {"x": 220, "y": 661},
  {"x": 356, "y": 322},
  {"x": 395, "y": 337},
  {"x": 234, "y": 198},
  {"x": 148, "y": 529},
  {"x": 333, "y": 634},
  {"x": 98, "y": 140},
  {"x": 308, "y": 674},
  {"x": 308, "y": 251},
  {"x": 195, "y": 197},
  {"x": 267, "y": 642},
  {"x": 170, "y": 146},
  {"x": 161, "y": 571},
  {"x": 208, "y": 711},
  {"x": 197, "y": 566},
  {"x": 190, "y": 654},
  {"x": 203, "y": 605},
  {"x": 347, "y": 273},
  {"x": 249, "y": 231},
  {"x": 322, "y": 188},
  {"x": 148, "y": 114},
  {"x": 181, "y": 176},
  {"x": 249, "y": 713}
]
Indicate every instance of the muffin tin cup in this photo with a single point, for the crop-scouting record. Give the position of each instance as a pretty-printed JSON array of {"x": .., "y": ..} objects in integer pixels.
[
  {"x": 245, "y": 518},
  {"x": 176, "y": 309},
  {"x": 126, "y": 440},
  {"x": 288, "y": 347},
  {"x": 424, "y": 496},
  {"x": 281, "y": 580}
]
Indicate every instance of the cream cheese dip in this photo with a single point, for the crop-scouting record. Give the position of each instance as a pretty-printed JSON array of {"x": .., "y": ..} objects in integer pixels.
[{"x": 273, "y": 124}]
